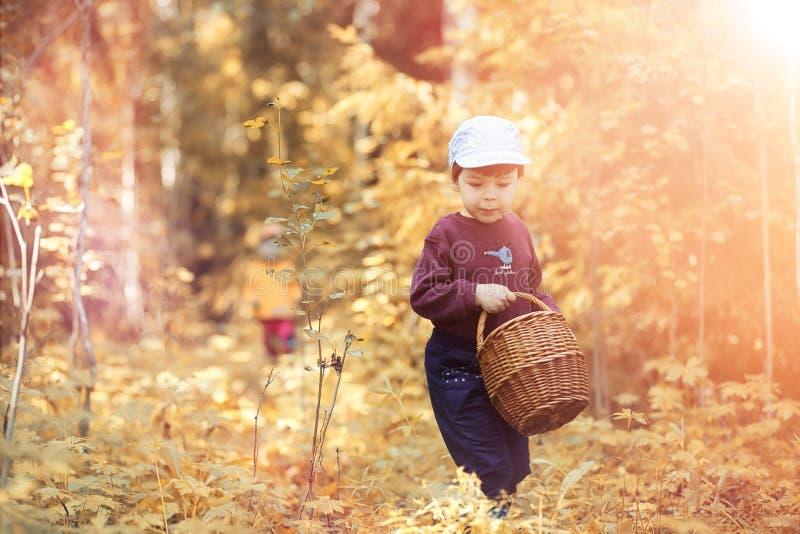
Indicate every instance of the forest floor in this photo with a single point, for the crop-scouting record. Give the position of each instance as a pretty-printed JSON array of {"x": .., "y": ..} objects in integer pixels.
[{"x": 171, "y": 447}]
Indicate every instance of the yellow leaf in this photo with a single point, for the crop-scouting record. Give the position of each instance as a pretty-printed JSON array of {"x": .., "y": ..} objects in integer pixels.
[
  {"x": 629, "y": 415},
  {"x": 343, "y": 35},
  {"x": 274, "y": 160},
  {"x": 21, "y": 176},
  {"x": 694, "y": 372},
  {"x": 319, "y": 181},
  {"x": 63, "y": 128},
  {"x": 27, "y": 212},
  {"x": 624, "y": 414},
  {"x": 326, "y": 505},
  {"x": 258, "y": 122},
  {"x": 330, "y": 171}
]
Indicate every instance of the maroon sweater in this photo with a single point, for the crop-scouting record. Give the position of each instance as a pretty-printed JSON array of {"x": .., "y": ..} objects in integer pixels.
[{"x": 460, "y": 253}]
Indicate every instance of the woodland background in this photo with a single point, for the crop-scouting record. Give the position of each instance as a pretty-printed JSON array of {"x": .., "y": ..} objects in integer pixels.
[{"x": 662, "y": 199}]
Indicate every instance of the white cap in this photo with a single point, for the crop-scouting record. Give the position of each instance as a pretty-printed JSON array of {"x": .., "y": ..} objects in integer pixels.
[{"x": 486, "y": 140}]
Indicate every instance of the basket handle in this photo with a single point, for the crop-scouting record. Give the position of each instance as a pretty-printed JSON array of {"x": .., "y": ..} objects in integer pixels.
[{"x": 484, "y": 314}]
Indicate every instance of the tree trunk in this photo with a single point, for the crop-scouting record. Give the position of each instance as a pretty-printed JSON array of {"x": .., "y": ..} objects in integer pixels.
[
  {"x": 460, "y": 74},
  {"x": 762, "y": 160},
  {"x": 599, "y": 363},
  {"x": 701, "y": 275},
  {"x": 796, "y": 151},
  {"x": 170, "y": 171},
  {"x": 131, "y": 287}
]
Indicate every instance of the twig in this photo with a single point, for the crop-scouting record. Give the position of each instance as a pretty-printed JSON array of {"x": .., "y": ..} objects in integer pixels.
[
  {"x": 71, "y": 521},
  {"x": 314, "y": 445},
  {"x": 161, "y": 494},
  {"x": 338, "y": 472},
  {"x": 270, "y": 379},
  {"x": 47, "y": 39},
  {"x": 12, "y": 264},
  {"x": 316, "y": 458}
]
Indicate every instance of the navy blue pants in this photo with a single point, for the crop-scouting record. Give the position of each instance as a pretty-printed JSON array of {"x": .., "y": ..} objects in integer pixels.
[{"x": 477, "y": 437}]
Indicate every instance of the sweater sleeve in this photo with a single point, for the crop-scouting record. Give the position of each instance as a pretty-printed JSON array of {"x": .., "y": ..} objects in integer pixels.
[{"x": 435, "y": 294}]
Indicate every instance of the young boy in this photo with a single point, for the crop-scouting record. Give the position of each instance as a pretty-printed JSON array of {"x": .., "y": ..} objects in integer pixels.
[
  {"x": 272, "y": 301},
  {"x": 476, "y": 259}
]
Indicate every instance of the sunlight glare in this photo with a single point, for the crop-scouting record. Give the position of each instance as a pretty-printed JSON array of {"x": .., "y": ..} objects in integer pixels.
[{"x": 775, "y": 22}]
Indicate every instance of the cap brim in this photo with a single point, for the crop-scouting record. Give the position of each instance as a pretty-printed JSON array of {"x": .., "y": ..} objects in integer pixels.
[{"x": 484, "y": 159}]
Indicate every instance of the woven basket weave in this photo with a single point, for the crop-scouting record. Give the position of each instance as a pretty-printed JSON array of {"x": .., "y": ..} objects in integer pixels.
[{"x": 533, "y": 370}]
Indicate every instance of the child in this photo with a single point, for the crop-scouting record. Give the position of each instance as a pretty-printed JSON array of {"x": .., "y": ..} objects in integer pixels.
[
  {"x": 475, "y": 259},
  {"x": 270, "y": 297}
]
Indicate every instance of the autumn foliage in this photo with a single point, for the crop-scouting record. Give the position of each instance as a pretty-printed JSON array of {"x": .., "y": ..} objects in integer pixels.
[{"x": 661, "y": 198}]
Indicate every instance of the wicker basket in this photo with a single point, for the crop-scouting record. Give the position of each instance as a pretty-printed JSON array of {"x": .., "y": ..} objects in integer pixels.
[{"x": 534, "y": 370}]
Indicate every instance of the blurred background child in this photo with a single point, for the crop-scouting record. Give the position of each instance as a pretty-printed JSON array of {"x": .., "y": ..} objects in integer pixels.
[{"x": 271, "y": 295}]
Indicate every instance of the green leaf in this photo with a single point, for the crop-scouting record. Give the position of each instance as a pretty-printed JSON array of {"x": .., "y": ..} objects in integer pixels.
[
  {"x": 316, "y": 334},
  {"x": 323, "y": 215},
  {"x": 291, "y": 173}
]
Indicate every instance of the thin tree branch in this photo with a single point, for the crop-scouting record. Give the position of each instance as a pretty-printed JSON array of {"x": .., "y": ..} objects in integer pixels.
[
  {"x": 12, "y": 264},
  {"x": 270, "y": 379},
  {"x": 25, "y": 311},
  {"x": 47, "y": 40}
]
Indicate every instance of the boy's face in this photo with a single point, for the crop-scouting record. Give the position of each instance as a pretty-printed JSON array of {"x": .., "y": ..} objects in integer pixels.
[{"x": 487, "y": 195}]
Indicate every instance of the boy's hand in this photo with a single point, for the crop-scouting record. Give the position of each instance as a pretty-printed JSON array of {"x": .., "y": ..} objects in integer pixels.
[{"x": 494, "y": 297}]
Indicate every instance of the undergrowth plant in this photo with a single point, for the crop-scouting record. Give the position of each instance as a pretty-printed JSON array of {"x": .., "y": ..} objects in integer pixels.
[
  {"x": 20, "y": 176},
  {"x": 303, "y": 191}
]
